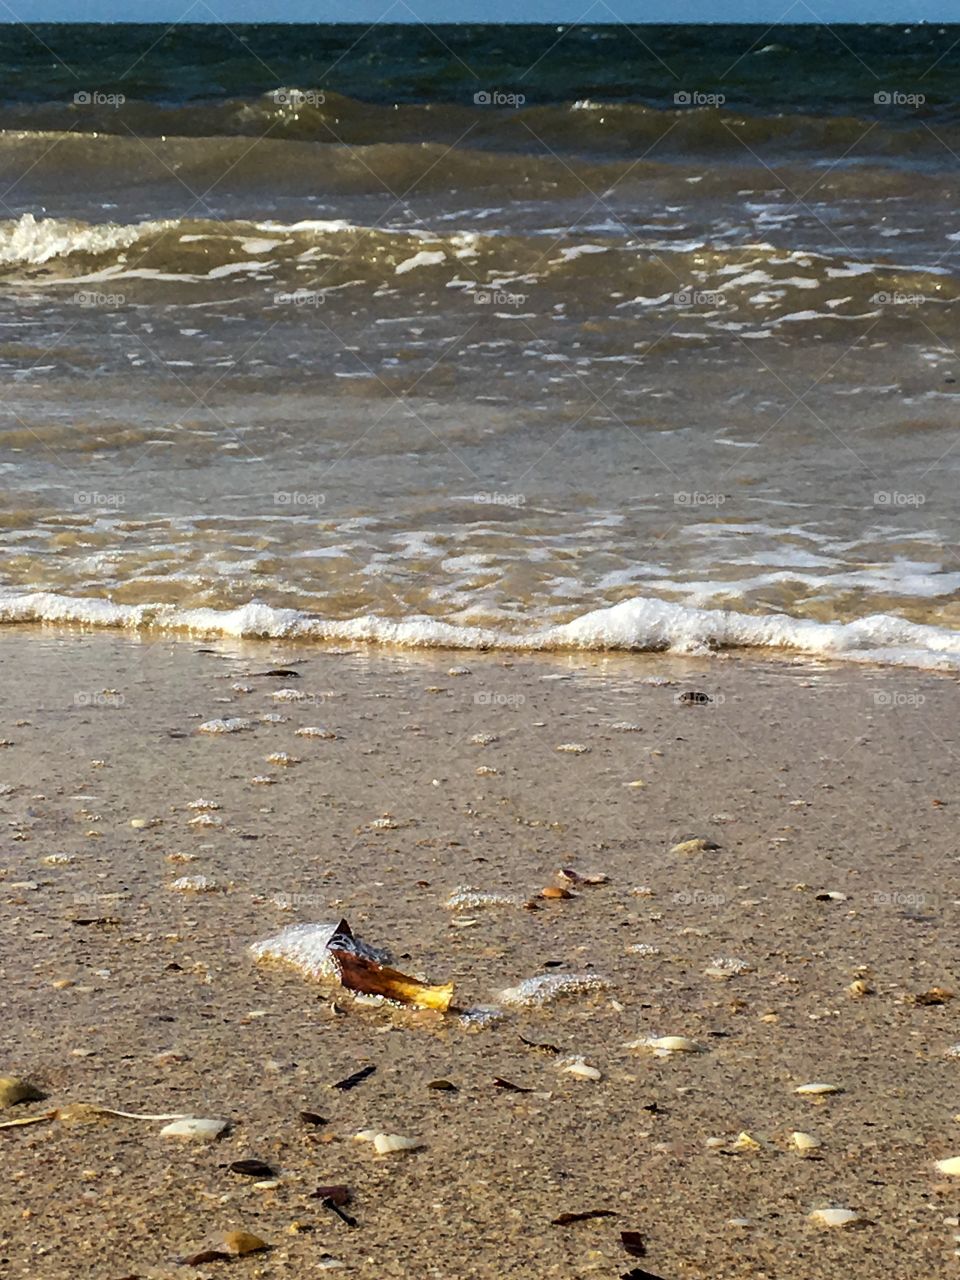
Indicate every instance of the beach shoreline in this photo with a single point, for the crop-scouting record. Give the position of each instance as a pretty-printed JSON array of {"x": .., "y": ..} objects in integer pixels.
[{"x": 445, "y": 770}]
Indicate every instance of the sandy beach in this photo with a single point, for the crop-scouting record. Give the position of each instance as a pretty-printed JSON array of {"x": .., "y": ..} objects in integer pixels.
[{"x": 829, "y": 791}]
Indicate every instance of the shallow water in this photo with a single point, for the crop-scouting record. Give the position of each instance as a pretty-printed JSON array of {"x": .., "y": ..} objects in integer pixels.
[{"x": 376, "y": 355}]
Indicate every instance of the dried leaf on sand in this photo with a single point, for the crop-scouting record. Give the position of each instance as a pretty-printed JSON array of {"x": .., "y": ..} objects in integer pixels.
[{"x": 369, "y": 978}]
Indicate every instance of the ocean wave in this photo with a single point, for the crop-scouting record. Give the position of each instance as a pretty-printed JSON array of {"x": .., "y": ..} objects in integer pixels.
[
  {"x": 643, "y": 273},
  {"x": 603, "y": 127},
  {"x": 642, "y": 624}
]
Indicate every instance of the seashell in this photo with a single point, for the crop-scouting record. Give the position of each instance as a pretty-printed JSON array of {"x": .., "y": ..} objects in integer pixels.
[
  {"x": 196, "y": 1128},
  {"x": 242, "y": 688},
  {"x": 203, "y": 805},
  {"x": 282, "y": 758},
  {"x": 637, "y": 784},
  {"x": 643, "y": 949},
  {"x": 467, "y": 899},
  {"x": 578, "y": 1067},
  {"x": 950, "y": 1167},
  {"x": 238, "y": 1243},
  {"x": 831, "y": 895},
  {"x": 143, "y": 824},
  {"x": 57, "y": 859},
  {"x": 545, "y": 987},
  {"x": 860, "y": 988},
  {"x": 459, "y": 671},
  {"x": 388, "y": 1143},
  {"x": 288, "y": 695},
  {"x": 663, "y": 1045},
  {"x": 205, "y": 820},
  {"x": 484, "y": 739},
  {"x": 306, "y": 947},
  {"x": 555, "y": 892},
  {"x": 627, "y": 726},
  {"x": 195, "y": 884},
  {"x": 233, "y": 724},
  {"x": 726, "y": 967},
  {"x": 314, "y": 731},
  {"x": 263, "y": 780},
  {"x": 835, "y": 1217},
  {"x": 804, "y": 1141},
  {"x": 817, "y": 1090},
  {"x": 642, "y": 891},
  {"x": 383, "y": 824},
  {"x": 272, "y": 717},
  {"x": 697, "y": 844},
  {"x": 745, "y": 1142},
  {"x": 573, "y": 748},
  {"x": 14, "y": 1090},
  {"x": 485, "y": 771}
]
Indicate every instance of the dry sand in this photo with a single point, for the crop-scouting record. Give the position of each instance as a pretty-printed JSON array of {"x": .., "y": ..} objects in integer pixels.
[{"x": 811, "y": 779}]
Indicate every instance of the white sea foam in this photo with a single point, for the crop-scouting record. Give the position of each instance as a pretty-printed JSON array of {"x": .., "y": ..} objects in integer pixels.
[
  {"x": 33, "y": 241},
  {"x": 306, "y": 947},
  {"x": 640, "y": 624}
]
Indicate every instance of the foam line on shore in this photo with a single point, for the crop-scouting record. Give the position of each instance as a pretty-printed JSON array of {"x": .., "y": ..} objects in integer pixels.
[{"x": 642, "y": 624}]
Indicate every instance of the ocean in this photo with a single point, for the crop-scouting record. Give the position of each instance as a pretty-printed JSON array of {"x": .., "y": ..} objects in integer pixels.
[{"x": 499, "y": 337}]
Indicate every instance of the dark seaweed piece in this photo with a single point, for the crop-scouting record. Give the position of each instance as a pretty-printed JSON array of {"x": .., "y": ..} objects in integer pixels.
[
  {"x": 251, "y": 1169},
  {"x": 638, "y": 1273},
  {"x": 634, "y": 1244},
  {"x": 544, "y": 1048},
  {"x": 279, "y": 673},
  {"x": 351, "y": 1082},
  {"x": 694, "y": 697},
  {"x": 444, "y": 1086},
  {"x": 337, "y": 1193},
  {"x": 312, "y": 1117},
  {"x": 565, "y": 1219},
  {"x": 334, "y": 1198},
  {"x": 500, "y": 1083}
]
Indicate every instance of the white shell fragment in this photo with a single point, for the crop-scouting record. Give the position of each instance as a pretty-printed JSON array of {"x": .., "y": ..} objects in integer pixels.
[
  {"x": 314, "y": 731},
  {"x": 194, "y": 1127},
  {"x": 573, "y": 748},
  {"x": 551, "y": 986},
  {"x": 205, "y": 820},
  {"x": 804, "y": 1141},
  {"x": 195, "y": 884},
  {"x": 305, "y": 948},
  {"x": 817, "y": 1090},
  {"x": 468, "y": 899},
  {"x": 665, "y": 1045},
  {"x": 387, "y": 1143},
  {"x": 727, "y": 967},
  {"x": 282, "y": 758},
  {"x": 483, "y": 739},
  {"x": 835, "y": 1217},
  {"x": 233, "y": 724},
  {"x": 288, "y": 695},
  {"x": 578, "y": 1067},
  {"x": 950, "y": 1167},
  {"x": 202, "y": 804}
]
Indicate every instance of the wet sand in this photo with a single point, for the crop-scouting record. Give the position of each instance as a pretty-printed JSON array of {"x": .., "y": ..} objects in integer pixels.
[{"x": 812, "y": 780}]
